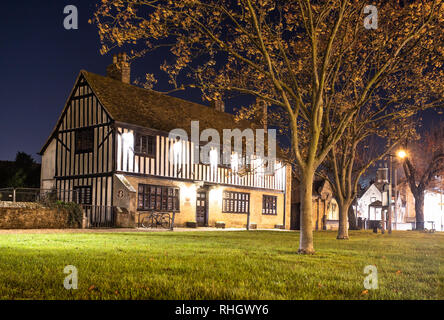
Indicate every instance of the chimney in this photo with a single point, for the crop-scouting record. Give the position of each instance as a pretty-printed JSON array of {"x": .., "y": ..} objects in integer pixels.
[
  {"x": 382, "y": 175},
  {"x": 218, "y": 105},
  {"x": 120, "y": 69}
]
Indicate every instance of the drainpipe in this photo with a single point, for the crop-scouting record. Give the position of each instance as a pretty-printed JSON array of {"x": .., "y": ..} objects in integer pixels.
[
  {"x": 285, "y": 196},
  {"x": 285, "y": 203},
  {"x": 248, "y": 219}
]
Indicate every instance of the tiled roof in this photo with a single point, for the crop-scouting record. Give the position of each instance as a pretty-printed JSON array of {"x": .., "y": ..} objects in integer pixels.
[
  {"x": 151, "y": 109},
  {"x": 155, "y": 110}
]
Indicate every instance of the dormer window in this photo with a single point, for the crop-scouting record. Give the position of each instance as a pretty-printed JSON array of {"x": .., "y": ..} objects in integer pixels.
[{"x": 145, "y": 145}]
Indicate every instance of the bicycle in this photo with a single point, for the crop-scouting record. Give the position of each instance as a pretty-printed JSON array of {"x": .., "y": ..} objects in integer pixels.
[{"x": 155, "y": 219}]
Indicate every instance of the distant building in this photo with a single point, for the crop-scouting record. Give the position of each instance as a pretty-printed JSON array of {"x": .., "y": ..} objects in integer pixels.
[
  {"x": 372, "y": 203},
  {"x": 325, "y": 209},
  {"x": 433, "y": 207}
]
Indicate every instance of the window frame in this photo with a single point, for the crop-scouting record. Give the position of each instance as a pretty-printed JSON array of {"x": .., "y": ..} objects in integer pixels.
[
  {"x": 235, "y": 202},
  {"x": 138, "y": 145},
  {"x": 158, "y": 198},
  {"x": 81, "y": 139},
  {"x": 80, "y": 194},
  {"x": 269, "y": 205}
]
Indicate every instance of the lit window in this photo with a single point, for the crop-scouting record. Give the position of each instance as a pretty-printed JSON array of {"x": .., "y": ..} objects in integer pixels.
[
  {"x": 83, "y": 195},
  {"x": 160, "y": 198},
  {"x": 145, "y": 145},
  {"x": 235, "y": 202},
  {"x": 269, "y": 205}
]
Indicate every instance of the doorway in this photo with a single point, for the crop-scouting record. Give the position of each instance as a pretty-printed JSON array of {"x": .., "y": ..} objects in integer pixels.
[
  {"x": 295, "y": 221},
  {"x": 201, "y": 208}
]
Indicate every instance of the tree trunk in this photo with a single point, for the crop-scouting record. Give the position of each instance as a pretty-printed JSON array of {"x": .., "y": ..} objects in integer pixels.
[
  {"x": 306, "y": 194},
  {"x": 352, "y": 223},
  {"x": 419, "y": 210},
  {"x": 343, "y": 221}
]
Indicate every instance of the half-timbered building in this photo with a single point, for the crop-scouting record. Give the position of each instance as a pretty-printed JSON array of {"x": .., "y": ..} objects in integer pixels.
[{"x": 109, "y": 151}]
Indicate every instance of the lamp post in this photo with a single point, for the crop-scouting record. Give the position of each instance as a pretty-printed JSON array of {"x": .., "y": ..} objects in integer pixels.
[
  {"x": 442, "y": 203},
  {"x": 401, "y": 154}
]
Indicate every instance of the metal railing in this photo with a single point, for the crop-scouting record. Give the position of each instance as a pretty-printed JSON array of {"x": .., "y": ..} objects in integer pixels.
[
  {"x": 428, "y": 225},
  {"x": 99, "y": 216},
  {"x": 36, "y": 195},
  {"x": 96, "y": 216}
]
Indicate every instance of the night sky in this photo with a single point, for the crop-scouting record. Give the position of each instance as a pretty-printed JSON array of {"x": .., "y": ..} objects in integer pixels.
[{"x": 39, "y": 62}]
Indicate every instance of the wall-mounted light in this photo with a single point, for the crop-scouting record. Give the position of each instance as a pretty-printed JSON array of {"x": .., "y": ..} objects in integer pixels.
[
  {"x": 216, "y": 194},
  {"x": 177, "y": 151},
  {"x": 188, "y": 192}
]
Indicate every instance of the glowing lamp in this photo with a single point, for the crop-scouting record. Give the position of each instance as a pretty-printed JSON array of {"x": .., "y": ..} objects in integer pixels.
[
  {"x": 177, "y": 150},
  {"x": 401, "y": 154},
  {"x": 189, "y": 192},
  {"x": 216, "y": 194}
]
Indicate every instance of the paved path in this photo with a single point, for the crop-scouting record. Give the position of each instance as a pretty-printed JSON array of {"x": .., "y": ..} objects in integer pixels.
[{"x": 119, "y": 230}]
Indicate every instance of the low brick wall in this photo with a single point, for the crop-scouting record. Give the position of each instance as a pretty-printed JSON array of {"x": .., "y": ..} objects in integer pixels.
[{"x": 33, "y": 218}]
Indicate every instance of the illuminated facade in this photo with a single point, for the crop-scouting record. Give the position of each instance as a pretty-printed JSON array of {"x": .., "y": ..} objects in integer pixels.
[
  {"x": 111, "y": 146},
  {"x": 403, "y": 206}
]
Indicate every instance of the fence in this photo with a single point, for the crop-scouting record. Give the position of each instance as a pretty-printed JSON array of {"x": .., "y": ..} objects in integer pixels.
[
  {"x": 35, "y": 195},
  {"x": 370, "y": 224},
  {"x": 99, "y": 216}
]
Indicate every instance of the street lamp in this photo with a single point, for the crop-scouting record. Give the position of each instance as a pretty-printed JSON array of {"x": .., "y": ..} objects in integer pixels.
[{"x": 401, "y": 154}]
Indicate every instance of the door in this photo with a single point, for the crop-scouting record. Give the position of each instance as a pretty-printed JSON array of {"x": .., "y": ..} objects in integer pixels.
[
  {"x": 201, "y": 208},
  {"x": 295, "y": 221}
]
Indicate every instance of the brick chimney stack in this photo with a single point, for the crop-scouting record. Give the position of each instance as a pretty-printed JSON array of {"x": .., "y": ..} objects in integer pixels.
[
  {"x": 120, "y": 69},
  {"x": 219, "y": 105}
]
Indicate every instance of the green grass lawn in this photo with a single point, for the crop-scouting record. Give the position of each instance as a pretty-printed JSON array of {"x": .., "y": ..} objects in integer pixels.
[{"x": 220, "y": 265}]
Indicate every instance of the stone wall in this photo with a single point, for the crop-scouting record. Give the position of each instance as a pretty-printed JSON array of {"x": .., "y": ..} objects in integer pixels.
[{"x": 32, "y": 218}]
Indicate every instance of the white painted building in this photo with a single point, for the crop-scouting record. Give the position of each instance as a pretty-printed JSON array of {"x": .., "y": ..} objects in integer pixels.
[
  {"x": 374, "y": 200},
  {"x": 434, "y": 209},
  {"x": 375, "y": 195}
]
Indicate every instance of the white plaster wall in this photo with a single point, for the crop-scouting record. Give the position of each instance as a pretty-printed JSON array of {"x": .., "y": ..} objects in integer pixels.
[
  {"x": 434, "y": 210},
  {"x": 47, "y": 180},
  {"x": 365, "y": 201}
]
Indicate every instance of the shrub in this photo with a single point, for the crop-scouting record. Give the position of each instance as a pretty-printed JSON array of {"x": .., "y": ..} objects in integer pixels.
[{"x": 75, "y": 214}]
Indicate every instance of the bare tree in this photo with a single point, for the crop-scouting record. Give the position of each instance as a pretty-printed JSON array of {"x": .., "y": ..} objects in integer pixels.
[
  {"x": 302, "y": 56},
  {"x": 364, "y": 143},
  {"x": 423, "y": 166}
]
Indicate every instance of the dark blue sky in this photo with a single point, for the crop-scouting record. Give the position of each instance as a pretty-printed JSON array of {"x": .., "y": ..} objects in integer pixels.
[{"x": 39, "y": 61}]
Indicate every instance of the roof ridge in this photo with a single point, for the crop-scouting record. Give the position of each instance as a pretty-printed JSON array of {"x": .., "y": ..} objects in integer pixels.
[{"x": 132, "y": 86}]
